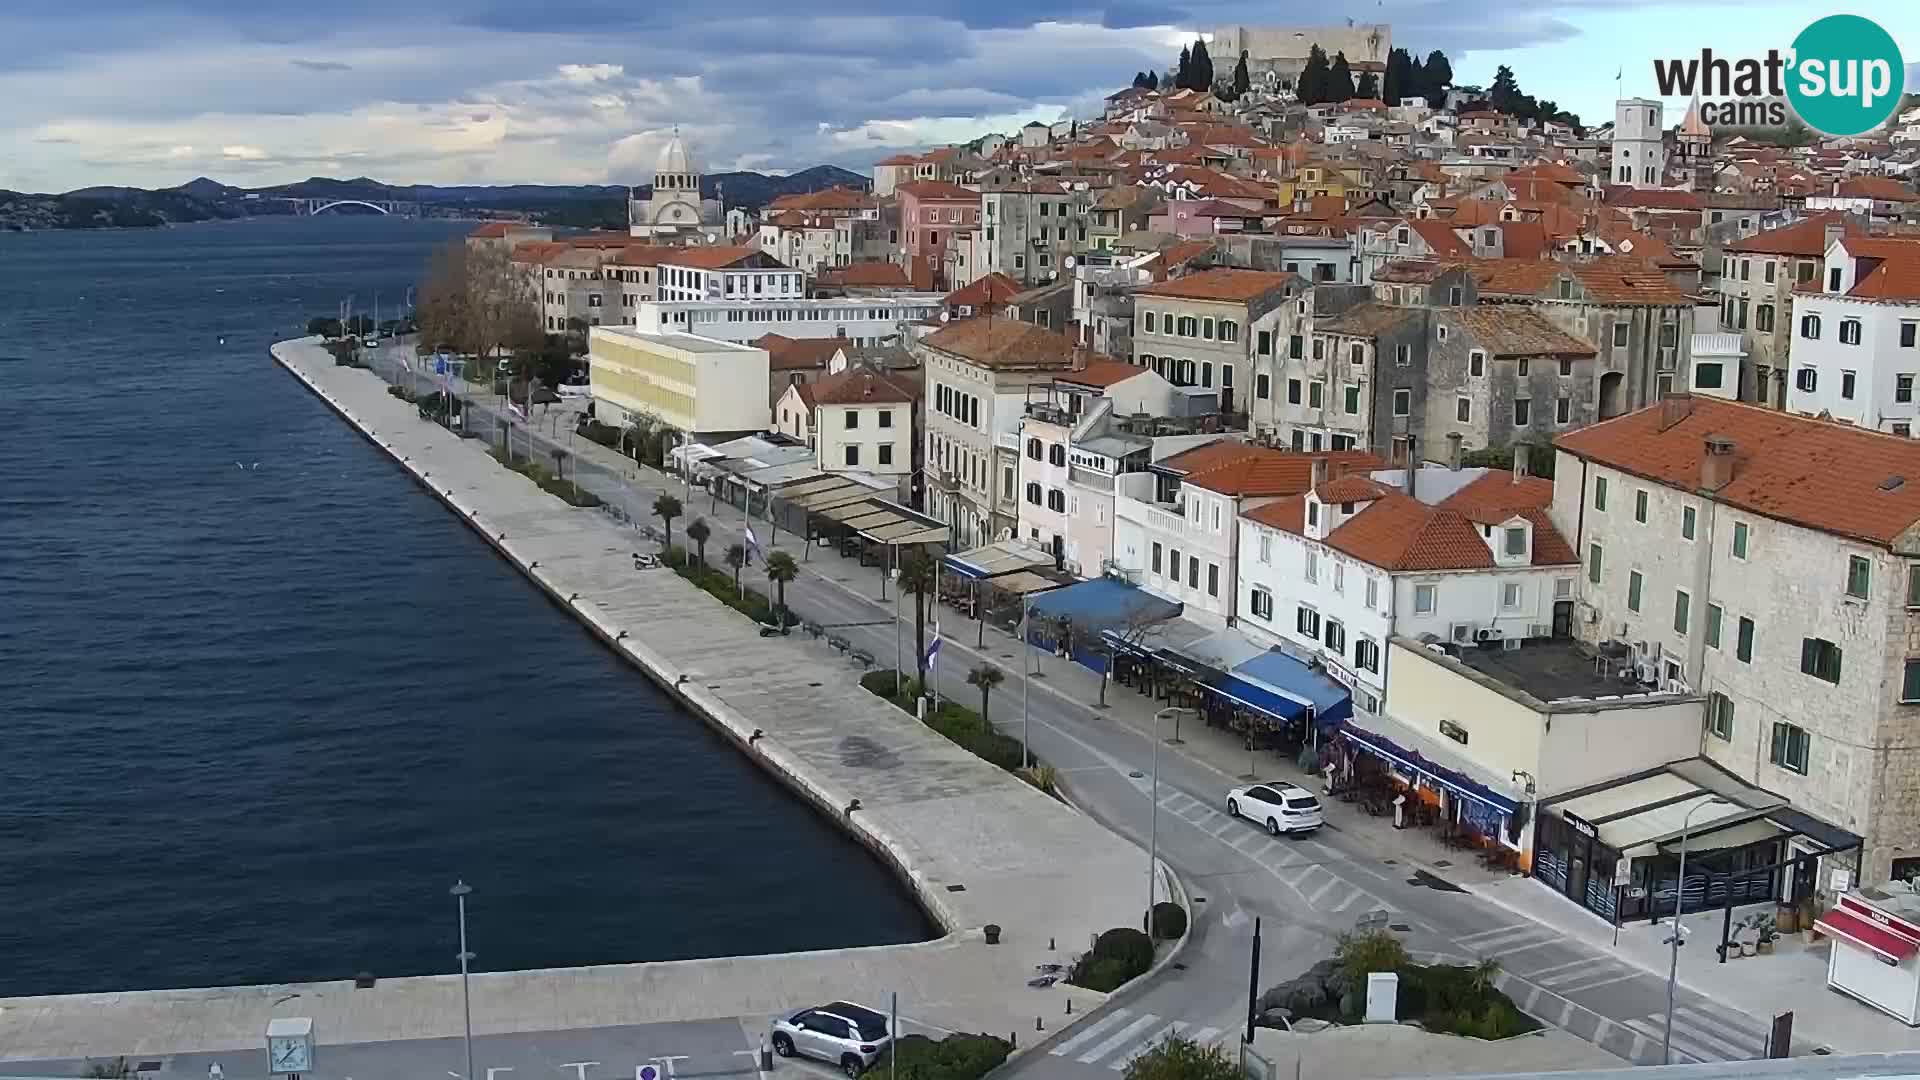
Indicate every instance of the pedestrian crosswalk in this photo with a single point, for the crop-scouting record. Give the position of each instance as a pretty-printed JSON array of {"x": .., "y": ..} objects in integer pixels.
[
  {"x": 1116, "y": 1039},
  {"x": 1699, "y": 1034},
  {"x": 1304, "y": 866}
]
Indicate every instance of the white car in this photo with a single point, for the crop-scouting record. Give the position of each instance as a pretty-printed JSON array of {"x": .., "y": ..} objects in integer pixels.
[
  {"x": 1280, "y": 807},
  {"x": 842, "y": 1033}
]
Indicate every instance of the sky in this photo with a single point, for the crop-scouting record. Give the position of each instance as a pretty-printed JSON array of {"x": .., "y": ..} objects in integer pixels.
[{"x": 252, "y": 92}]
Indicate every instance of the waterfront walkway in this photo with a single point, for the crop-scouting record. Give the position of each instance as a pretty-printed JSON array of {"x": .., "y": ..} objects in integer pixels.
[{"x": 978, "y": 845}]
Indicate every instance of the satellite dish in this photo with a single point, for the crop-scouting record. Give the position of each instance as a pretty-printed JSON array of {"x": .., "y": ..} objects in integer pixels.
[
  {"x": 1068, "y": 262},
  {"x": 945, "y": 315}
]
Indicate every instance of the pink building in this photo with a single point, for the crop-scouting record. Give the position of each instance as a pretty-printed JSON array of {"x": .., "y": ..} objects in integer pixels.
[{"x": 930, "y": 212}]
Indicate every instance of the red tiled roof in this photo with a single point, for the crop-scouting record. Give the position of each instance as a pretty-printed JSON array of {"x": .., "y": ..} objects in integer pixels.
[
  {"x": 1807, "y": 238},
  {"x": 870, "y": 273},
  {"x": 1510, "y": 330},
  {"x": 1654, "y": 198},
  {"x": 1226, "y": 286},
  {"x": 1401, "y": 533},
  {"x": 713, "y": 258},
  {"x": 1351, "y": 488},
  {"x": 1439, "y": 236},
  {"x": 1264, "y": 472},
  {"x": 801, "y": 354},
  {"x": 1206, "y": 455},
  {"x": 1880, "y": 188},
  {"x": 860, "y": 386},
  {"x": 492, "y": 230},
  {"x": 1500, "y": 493},
  {"x": 1003, "y": 343},
  {"x": 937, "y": 191},
  {"x": 1819, "y": 474},
  {"x": 995, "y": 288},
  {"x": 1103, "y": 373},
  {"x": 1897, "y": 273}
]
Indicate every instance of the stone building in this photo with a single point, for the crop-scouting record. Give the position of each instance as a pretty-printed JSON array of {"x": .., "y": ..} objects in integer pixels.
[
  {"x": 1758, "y": 276},
  {"x": 1205, "y": 329},
  {"x": 1277, "y": 54},
  {"x": 1500, "y": 376}
]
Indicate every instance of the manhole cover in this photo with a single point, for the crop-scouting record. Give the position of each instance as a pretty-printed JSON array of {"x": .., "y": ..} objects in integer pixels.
[
  {"x": 815, "y": 685},
  {"x": 1136, "y": 774},
  {"x": 1390, "y": 862},
  {"x": 1442, "y": 863},
  {"x": 956, "y": 888}
]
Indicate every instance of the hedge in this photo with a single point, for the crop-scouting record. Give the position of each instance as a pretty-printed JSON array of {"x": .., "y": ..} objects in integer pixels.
[
  {"x": 567, "y": 492},
  {"x": 1169, "y": 920},
  {"x": 749, "y": 602},
  {"x": 1118, "y": 955},
  {"x": 961, "y": 725},
  {"x": 957, "y": 1057}
]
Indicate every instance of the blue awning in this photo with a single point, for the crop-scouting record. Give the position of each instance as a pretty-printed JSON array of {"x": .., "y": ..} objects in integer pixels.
[
  {"x": 1102, "y": 604},
  {"x": 1295, "y": 680},
  {"x": 1257, "y": 698},
  {"x": 1417, "y": 764}
]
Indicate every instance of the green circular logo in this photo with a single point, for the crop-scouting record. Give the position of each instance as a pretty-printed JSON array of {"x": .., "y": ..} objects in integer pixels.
[{"x": 1846, "y": 75}]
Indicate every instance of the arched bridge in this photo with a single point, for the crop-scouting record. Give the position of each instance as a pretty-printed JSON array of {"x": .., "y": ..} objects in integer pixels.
[{"x": 310, "y": 207}]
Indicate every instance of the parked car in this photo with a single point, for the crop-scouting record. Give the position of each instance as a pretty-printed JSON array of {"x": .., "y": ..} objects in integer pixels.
[
  {"x": 848, "y": 1035},
  {"x": 1281, "y": 807}
]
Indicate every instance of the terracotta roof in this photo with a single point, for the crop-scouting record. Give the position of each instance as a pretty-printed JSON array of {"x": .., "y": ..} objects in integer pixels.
[
  {"x": 995, "y": 288},
  {"x": 1807, "y": 238},
  {"x": 833, "y": 198},
  {"x": 1179, "y": 254},
  {"x": 1882, "y": 188},
  {"x": 1621, "y": 280},
  {"x": 493, "y": 230},
  {"x": 1264, "y": 472},
  {"x": 1513, "y": 277},
  {"x": 1523, "y": 239},
  {"x": 645, "y": 254},
  {"x": 1415, "y": 271},
  {"x": 539, "y": 251},
  {"x": 937, "y": 190},
  {"x": 713, "y": 258},
  {"x": 1205, "y": 456},
  {"x": 1213, "y": 208},
  {"x": 1654, "y": 198},
  {"x": 871, "y": 273},
  {"x": 860, "y": 386},
  {"x": 1003, "y": 343},
  {"x": 1288, "y": 514},
  {"x": 900, "y": 159},
  {"x": 1226, "y": 286},
  {"x": 802, "y": 354},
  {"x": 1351, "y": 488},
  {"x": 1498, "y": 495},
  {"x": 1508, "y": 330},
  {"x": 1896, "y": 273},
  {"x": 1815, "y": 473},
  {"x": 1402, "y": 533},
  {"x": 1367, "y": 320},
  {"x": 1440, "y": 237},
  {"x": 1103, "y": 373}
]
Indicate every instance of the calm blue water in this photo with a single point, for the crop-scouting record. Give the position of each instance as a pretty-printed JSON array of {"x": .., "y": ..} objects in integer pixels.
[{"x": 253, "y": 723}]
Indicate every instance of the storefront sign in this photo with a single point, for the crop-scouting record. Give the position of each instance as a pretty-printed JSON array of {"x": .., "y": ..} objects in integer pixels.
[
  {"x": 1842, "y": 879},
  {"x": 1581, "y": 825},
  {"x": 1622, "y": 873}
]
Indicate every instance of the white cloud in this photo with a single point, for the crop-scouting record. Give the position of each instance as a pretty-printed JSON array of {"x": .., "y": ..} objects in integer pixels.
[{"x": 235, "y": 153}]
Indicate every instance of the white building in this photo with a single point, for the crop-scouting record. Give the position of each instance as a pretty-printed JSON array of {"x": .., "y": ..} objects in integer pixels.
[
  {"x": 674, "y": 207},
  {"x": 698, "y": 385},
  {"x": 1855, "y": 353},
  {"x": 1468, "y": 557},
  {"x": 860, "y": 320},
  {"x": 1639, "y": 143},
  {"x": 727, "y": 273},
  {"x": 1771, "y": 563},
  {"x": 857, "y": 421}
]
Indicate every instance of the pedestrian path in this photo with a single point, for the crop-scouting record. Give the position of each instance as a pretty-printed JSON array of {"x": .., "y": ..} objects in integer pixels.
[
  {"x": 1121, "y": 1035},
  {"x": 1702, "y": 1033},
  {"x": 1320, "y": 877}
]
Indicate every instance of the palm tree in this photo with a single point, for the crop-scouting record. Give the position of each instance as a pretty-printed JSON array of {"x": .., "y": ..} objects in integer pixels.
[
  {"x": 919, "y": 575},
  {"x": 986, "y": 677},
  {"x": 698, "y": 531},
  {"x": 736, "y": 558},
  {"x": 781, "y": 569},
  {"x": 666, "y": 508}
]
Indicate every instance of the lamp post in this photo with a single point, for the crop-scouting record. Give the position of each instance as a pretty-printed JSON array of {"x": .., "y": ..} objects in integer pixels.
[
  {"x": 460, "y": 891},
  {"x": 1679, "y": 895}
]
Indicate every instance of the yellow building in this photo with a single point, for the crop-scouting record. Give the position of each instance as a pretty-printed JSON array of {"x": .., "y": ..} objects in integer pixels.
[{"x": 694, "y": 384}]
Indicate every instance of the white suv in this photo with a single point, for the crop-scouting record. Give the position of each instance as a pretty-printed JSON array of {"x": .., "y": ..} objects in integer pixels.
[
  {"x": 848, "y": 1035},
  {"x": 1281, "y": 807}
]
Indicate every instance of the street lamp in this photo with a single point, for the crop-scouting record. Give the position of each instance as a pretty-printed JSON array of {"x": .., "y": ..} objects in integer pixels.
[
  {"x": 1679, "y": 894},
  {"x": 1153, "y": 829},
  {"x": 460, "y": 891},
  {"x": 1027, "y": 665}
]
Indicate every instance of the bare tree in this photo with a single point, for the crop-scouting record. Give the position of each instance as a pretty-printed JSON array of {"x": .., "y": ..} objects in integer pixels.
[
  {"x": 1141, "y": 624},
  {"x": 479, "y": 302}
]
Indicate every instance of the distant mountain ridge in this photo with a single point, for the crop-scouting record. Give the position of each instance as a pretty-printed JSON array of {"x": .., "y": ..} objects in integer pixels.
[{"x": 204, "y": 199}]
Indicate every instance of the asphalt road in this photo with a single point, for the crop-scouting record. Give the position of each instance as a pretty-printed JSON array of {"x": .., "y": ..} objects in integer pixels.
[{"x": 1306, "y": 892}]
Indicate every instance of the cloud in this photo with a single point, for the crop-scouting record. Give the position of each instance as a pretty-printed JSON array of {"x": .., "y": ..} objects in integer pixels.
[
  {"x": 321, "y": 65},
  {"x": 241, "y": 153}
]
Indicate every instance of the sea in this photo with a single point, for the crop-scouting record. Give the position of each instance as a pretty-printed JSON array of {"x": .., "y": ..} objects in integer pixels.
[{"x": 263, "y": 701}]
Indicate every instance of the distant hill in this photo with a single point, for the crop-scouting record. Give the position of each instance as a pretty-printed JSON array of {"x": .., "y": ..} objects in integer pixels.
[{"x": 203, "y": 199}]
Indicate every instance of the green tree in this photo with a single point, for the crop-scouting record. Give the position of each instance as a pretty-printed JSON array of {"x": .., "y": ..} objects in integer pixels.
[
  {"x": 986, "y": 677},
  {"x": 736, "y": 558},
  {"x": 1202, "y": 71},
  {"x": 1340, "y": 79},
  {"x": 1505, "y": 94},
  {"x": 919, "y": 575},
  {"x": 1315, "y": 78},
  {"x": 1139, "y": 80},
  {"x": 781, "y": 569},
  {"x": 1153, "y": 80},
  {"x": 1184, "y": 72},
  {"x": 666, "y": 508},
  {"x": 1403, "y": 77},
  {"x": 1242, "y": 79},
  {"x": 1176, "y": 1058},
  {"x": 321, "y": 326},
  {"x": 698, "y": 531},
  {"x": 1364, "y": 952},
  {"x": 1436, "y": 76},
  {"x": 1369, "y": 86}
]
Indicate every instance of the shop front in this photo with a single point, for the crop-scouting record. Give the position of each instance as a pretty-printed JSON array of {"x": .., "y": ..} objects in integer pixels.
[{"x": 1386, "y": 767}]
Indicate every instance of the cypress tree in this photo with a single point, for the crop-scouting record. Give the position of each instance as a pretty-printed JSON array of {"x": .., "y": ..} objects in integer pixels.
[
  {"x": 1311, "y": 88},
  {"x": 1242, "y": 79},
  {"x": 1340, "y": 80},
  {"x": 1202, "y": 67},
  {"x": 1184, "y": 73}
]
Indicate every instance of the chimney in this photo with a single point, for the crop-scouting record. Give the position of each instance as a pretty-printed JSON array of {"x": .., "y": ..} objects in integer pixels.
[
  {"x": 1521, "y": 453},
  {"x": 1675, "y": 408},
  {"x": 1454, "y": 439},
  {"x": 1319, "y": 472},
  {"x": 1716, "y": 465}
]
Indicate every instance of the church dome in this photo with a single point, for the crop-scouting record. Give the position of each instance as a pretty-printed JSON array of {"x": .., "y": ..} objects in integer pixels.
[{"x": 675, "y": 158}]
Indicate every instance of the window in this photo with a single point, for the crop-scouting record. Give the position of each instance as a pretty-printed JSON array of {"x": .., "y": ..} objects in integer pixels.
[
  {"x": 1293, "y": 391},
  {"x": 1743, "y": 641},
  {"x": 1600, "y": 493},
  {"x": 1150, "y": 322},
  {"x": 1034, "y": 450},
  {"x": 853, "y": 419},
  {"x": 1336, "y": 638},
  {"x": 1913, "y": 585},
  {"x": 1213, "y": 579},
  {"x": 1453, "y": 731},
  {"x": 1810, "y": 327},
  {"x": 1033, "y": 493},
  {"x": 1910, "y": 681},
  {"x": 1846, "y": 385},
  {"x": 1687, "y": 518},
  {"x": 1789, "y": 748},
  {"x": 1206, "y": 328},
  {"x": 1859, "y": 576},
  {"x": 1849, "y": 331},
  {"x": 1522, "y": 411},
  {"x": 1739, "y": 539},
  {"x": 1366, "y": 654},
  {"x": 1403, "y": 355},
  {"x": 1358, "y": 354},
  {"x": 1056, "y": 500},
  {"x": 1352, "y": 400},
  {"x": 1424, "y": 598},
  {"x": 1263, "y": 342},
  {"x": 853, "y": 455},
  {"x": 1463, "y": 410},
  {"x": 1907, "y": 334},
  {"x": 1156, "y": 558},
  {"x": 1261, "y": 601},
  {"x": 1307, "y": 622},
  {"x": 1903, "y": 388},
  {"x": 1193, "y": 572},
  {"x": 1634, "y": 582},
  {"x": 1593, "y": 564},
  {"x": 1682, "y": 611},
  {"x": 886, "y": 453},
  {"x": 1316, "y": 395},
  {"x": 886, "y": 418},
  {"x": 1262, "y": 386},
  {"x": 1373, "y": 592},
  {"x": 1266, "y": 548},
  {"x": 1476, "y": 363},
  {"x": 1640, "y": 506},
  {"x": 1510, "y": 596},
  {"x": 1522, "y": 367},
  {"x": 1619, "y": 335},
  {"x": 1713, "y": 626},
  {"x": 1402, "y": 400},
  {"x": 1173, "y": 565},
  {"x": 1057, "y": 454},
  {"x": 1294, "y": 346},
  {"x": 1189, "y": 326},
  {"x": 1313, "y": 558},
  {"x": 1720, "y": 716},
  {"x": 1516, "y": 542}
]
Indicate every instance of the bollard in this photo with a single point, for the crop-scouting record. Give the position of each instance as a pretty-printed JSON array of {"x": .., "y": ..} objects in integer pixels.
[
  {"x": 766, "y": 1056},
  {"x": 1069, "y": 1006},
  {"x": 1013, "y": 1039},
  {"x": 1049, "y": 944},
  {"x": 1036, "y": 1024}
]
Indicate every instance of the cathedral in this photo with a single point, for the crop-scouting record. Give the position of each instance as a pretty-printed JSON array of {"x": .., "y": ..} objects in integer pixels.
[{"x": 674, "y": 208}]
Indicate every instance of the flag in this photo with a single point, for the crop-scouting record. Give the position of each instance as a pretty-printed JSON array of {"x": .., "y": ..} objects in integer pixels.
[
  {"x": 518, "y": 412},
  {"x": 753, "y": 542},
  {"x": 933, "y": 647},
  {"x": 440, "y": 363}
]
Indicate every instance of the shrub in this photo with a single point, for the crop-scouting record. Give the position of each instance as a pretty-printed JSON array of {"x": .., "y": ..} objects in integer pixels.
[
  {"x": 1117, "y": 955},
  {"x": 1183, "y": 1059},
  {"x": 1363, "y": 953},
  {"x": 1103, "y": 974},
  {"x": 957, "y": 1057},
  {"x": 605, "y": 434},
  {"x": 1169, "y": 920},
  {"x": 402, "y": 393},
  {"x": 1044, "y": 777}
]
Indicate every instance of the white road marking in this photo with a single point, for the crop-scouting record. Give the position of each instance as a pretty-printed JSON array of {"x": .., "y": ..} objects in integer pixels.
[
  {"x": 1517, "y": 932},
  {"x": 1207, "y": 1036},
  {"x": 1595, "y": 984},
  {"x": 1131, "y": 1031},
  {"x": 1332, "y": 880},
  {"x": 1654, "y": 1028},
  {"x": 1090, "y": 1031},
  {"x": 1149, "y": 1043},
  {"x": 1240, "y": 844},
  {"x": 1546, "y": 976}
]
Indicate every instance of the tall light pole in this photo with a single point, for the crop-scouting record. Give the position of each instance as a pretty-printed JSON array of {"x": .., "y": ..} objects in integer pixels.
[
  {"x": 1026, "y": 681},
  {"x": 1679, "y": 895},
  {"x": 460, "y": 891},
  {"x": 1153, "y": 829}
]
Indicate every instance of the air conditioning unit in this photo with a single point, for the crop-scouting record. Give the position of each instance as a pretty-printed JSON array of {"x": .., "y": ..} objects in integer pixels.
[
  {"x": 1489, "y": 633},
  {"x": 1676, "y": 686},
  {"x": 1462, "y": 632},
  {"x": 1511, "y": 644},
  {"x": 1539, "y": 630},
  {"x": 1003, "y": 535},
  {"x": 1646, "y": 673}
]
